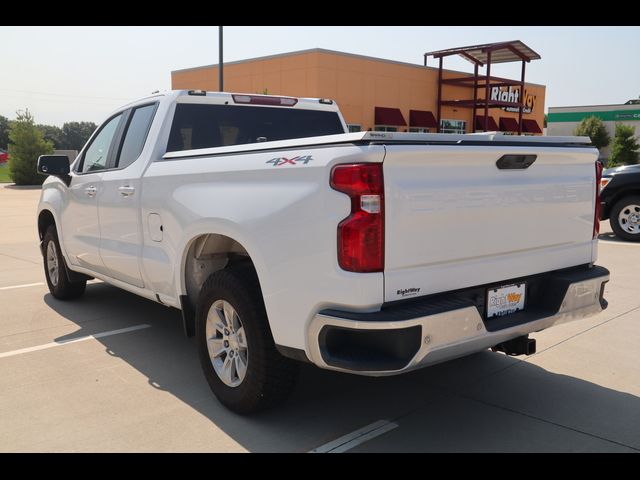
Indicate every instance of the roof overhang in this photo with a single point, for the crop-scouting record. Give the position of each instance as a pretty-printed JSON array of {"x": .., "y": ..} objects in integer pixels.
[{"x": 501, "y": 52}]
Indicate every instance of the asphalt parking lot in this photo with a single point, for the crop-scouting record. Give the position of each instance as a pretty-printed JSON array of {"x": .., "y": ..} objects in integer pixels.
[{"x": 137, "y": 386}]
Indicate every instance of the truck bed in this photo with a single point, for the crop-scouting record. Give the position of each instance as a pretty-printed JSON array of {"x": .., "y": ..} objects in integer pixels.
[{"x": 453, "y": 219}]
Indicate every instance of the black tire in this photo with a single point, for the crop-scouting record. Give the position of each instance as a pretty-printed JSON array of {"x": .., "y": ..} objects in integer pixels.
[
  {"x": 620, "y": 206},
  {"x": 60, "y": 287},
  {"x": 269, "y": 377}
]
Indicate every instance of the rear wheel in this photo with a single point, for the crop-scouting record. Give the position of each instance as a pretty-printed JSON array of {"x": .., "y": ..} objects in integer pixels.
[
  {"x": 237, "y": 352},
  {"x": 55, "y": 269},
  {"x": 625, "y": 218}
]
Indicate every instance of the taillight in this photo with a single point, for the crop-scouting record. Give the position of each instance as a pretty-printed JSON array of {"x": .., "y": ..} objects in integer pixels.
[
  {"x": 596, "y": 214},
  {"x": 361, "y": 234}
]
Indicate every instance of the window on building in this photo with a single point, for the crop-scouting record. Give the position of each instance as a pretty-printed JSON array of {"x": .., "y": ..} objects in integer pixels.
[
  {"x": 384, "y": 128},
  {"x": 453, "y": 126},
  {"x": 418, "y": 130},
  {"x": 354, "y": 128}
]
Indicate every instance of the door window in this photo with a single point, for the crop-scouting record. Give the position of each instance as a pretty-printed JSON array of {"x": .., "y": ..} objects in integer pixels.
[{"x": 95, "y": 158}]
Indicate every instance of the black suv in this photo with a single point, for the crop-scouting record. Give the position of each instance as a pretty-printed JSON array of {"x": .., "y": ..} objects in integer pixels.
[{"x": 620, "y": 197}]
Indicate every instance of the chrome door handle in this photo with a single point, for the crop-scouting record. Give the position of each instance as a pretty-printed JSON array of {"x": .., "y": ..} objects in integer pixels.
[
  {"x": 126, "y": 190},
  {"x": 91, "y": 191}
]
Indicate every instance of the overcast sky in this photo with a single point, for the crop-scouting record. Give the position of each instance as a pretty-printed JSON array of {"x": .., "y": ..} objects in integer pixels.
[{"x": 82, "y": 73}]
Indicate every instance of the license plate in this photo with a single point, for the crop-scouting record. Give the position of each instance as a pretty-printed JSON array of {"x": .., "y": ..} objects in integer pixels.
[{"x": 505, "y": 300}]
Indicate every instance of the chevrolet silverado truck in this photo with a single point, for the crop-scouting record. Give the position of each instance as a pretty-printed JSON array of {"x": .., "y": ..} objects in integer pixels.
[{"x": 283, "y": 239}]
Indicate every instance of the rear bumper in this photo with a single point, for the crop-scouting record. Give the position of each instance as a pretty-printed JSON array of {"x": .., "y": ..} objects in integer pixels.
[{"x": 409, "y": 335}]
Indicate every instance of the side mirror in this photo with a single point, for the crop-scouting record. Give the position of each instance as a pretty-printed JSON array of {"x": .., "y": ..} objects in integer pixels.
[{"x": 56, "y": 165}]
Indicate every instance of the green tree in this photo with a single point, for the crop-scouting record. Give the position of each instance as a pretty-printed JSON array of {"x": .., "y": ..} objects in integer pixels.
[
  {"x": 625, "y": 146},
  {"x": 593, "y": 128},
  {"x": 76, "y": 134},
  {"x": 4, "y": 132},
  {"x": 53, "y": 134},
  {"x": 26, "y": 144}
]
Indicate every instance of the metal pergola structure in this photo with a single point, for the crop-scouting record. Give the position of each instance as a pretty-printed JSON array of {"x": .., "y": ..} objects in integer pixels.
[{"x": 481, "y": 55}]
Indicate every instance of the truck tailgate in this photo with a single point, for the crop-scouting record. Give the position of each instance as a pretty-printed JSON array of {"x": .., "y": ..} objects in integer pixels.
[{"x": 453, "y": 219}]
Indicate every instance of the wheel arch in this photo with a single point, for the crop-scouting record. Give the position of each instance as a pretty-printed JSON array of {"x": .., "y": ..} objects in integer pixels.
[
  {"x": 45, "y": 220},
  {"x": 206, "y": 253},
  {"x": 203, "y": 254},
  {"x": 615, "y": 198}
]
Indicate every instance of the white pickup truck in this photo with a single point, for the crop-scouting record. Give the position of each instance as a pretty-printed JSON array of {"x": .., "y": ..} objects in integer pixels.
[{"x": 281, "y": 238}]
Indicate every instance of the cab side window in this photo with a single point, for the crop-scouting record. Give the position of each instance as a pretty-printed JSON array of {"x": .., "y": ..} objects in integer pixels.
[
  {"x": 136, "y": 136},
  {"x": 95, "y": 157}
]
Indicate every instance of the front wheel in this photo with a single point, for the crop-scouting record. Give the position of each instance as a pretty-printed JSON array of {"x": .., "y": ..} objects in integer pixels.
[
  {"x": 237, "y": 352},
  {"x": 625, "y": 218},
  {"x": 55, "y": 269}
]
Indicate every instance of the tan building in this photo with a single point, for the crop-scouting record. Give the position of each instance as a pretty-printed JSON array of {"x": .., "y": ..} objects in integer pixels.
[{"x": 372, "y": 93}]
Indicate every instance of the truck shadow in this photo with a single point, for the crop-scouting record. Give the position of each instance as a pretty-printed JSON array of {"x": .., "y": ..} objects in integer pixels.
[
  {"x": 436, "y": 404},
  {"x": 612, "y": 237}
]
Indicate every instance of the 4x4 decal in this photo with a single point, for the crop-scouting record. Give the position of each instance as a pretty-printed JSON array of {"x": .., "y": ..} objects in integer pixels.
[{"x": 277, "y": 162}]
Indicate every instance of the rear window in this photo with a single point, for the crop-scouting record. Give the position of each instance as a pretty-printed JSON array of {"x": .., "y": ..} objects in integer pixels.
[{"x": 205, "y": 126}]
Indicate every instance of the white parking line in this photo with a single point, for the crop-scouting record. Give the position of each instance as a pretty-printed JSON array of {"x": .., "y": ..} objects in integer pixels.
[
  {"x": 353, "y": 439},
  {"x": 11, "y": 287},
  {"x": 73, "y": 340}
]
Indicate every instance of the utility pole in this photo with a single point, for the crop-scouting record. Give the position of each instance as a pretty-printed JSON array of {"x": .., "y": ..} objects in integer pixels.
[{"x": 220, "y": 62}]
